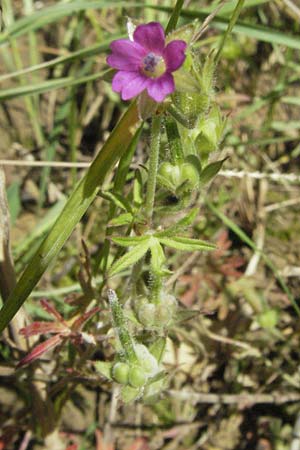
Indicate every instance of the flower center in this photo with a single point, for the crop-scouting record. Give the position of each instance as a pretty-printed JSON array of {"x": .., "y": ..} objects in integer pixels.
[{"x": 153, "y": 65}]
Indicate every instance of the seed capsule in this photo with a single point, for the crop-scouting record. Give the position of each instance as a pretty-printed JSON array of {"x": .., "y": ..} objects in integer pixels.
[
  {"x": 137, "y": 377},
  {"x": 120, "y": 372}
]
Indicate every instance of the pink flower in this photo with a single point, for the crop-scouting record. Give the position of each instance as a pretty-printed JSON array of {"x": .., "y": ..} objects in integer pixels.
[{"x": 146, "y": 63}]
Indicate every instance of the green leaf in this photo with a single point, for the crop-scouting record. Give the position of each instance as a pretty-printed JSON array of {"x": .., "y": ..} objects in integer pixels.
[
  {"x": 104, "y": 368},
  {"x": 122, "y": 219},
  {"x": 117, "y": 200},
  {"x": 180, "y": 225},
  {"x": 187, "y": 244},
  {"x": 129, "y": 394},
  {"x": 210, "y": 171},
  {"x": 130, "y": 258},
  {"x": 79, "y": 201},
  {"x": 131, "y": 241}
]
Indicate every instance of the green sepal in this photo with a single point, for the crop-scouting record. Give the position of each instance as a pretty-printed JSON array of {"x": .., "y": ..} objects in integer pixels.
[
  {"x": 157, "y": 348},
  {"x": 210, "y": 171},
  {"x": 183, "y": 315},
  {"x": 104, "y": 368},
  {"x": 129, "y": 394},
  {"x": 130, "y": 315},
  {"x": 146, "y": 106},
  {"x": 154, "y": 388},
  {"x": 187, "y": 244},
  {"x": 121, "y": 220},
  {"x": 184, "y": 33},
  {"x": 186, "y": 82},
  {"x": 206, "y": 73},
  {"x": 130, "y": 258},
  {"x": 195, "y": 161}
]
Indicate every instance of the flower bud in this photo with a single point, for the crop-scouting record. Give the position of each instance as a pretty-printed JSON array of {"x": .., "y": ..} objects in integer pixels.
[
  {"x": 174, "y": 176},
  {"x": 171, "y": 302},
  {"x": 162, "y": 315},
  {"x": 146, "y": 360},
  {"x": 210, "y": 131},
  {"x": 120, "y": 372},
  {"x": 146, "y": 314},
  {"x": 137, "y": 377}
]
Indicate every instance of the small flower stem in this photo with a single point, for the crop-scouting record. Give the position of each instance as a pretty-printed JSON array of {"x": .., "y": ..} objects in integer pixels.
[
  {"x": 156, "y": 287},
  {"x": 153, "y": 167}
]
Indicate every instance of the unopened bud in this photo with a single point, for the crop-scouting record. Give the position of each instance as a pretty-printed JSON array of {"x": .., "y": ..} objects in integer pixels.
[
  {"x": 120, "y": 372},
  {"x": 137, "y": 377}
]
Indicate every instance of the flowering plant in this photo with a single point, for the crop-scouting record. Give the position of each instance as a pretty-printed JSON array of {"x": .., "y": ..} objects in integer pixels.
[{"x": 189, "y": 121}]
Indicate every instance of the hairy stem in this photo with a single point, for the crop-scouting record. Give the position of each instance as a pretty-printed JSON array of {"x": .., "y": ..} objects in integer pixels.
[{"x": 153, "y": 166}]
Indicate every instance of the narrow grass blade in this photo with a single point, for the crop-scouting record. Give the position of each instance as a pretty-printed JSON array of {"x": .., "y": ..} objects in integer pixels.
[
  {"x": 174, "y": 17},
  {"x": 243, "y": 236},
  {"x": 46, "y": 86},
  {"x": 257, "y": 32},
  {"x": 231, "y": 24},
  {"x": 52, "y": 14},
  {"x": 76, "y": 206}
]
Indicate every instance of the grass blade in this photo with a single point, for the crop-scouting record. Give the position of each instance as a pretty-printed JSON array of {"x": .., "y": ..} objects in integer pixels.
[
  {"x": 231, "y": 24},
  {"x": 174, "y": 17},
  {"x": 257, "y": 32}
]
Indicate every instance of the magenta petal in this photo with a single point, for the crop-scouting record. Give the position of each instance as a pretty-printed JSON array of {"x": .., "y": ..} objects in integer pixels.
[
  {"x": 135, "y": 87},
  {"x": 159, "y": 88},
  {"x": 122, "y": 79},
  {"x": 126, "y": 55},
  {"x": 174, "y": 55},
  {"x": 151, "y": 36}
]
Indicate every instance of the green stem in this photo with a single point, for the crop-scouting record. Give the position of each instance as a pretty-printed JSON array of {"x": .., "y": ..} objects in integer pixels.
[
  {"x": 153, "y": 166},
  {"x": 121, "y": 327}
]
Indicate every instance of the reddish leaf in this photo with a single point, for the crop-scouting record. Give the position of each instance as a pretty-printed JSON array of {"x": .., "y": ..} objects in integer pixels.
[
  {"x": 139, "y": 444},
  {"x": 51, "y": 310},
  {"x": 100, "y": 444},
  {"x": 81, "y": 321},
  {"x": 72, "y": 447},
  {"x": 40, "y": 350},
  {"x": 37, "y": 328}
]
